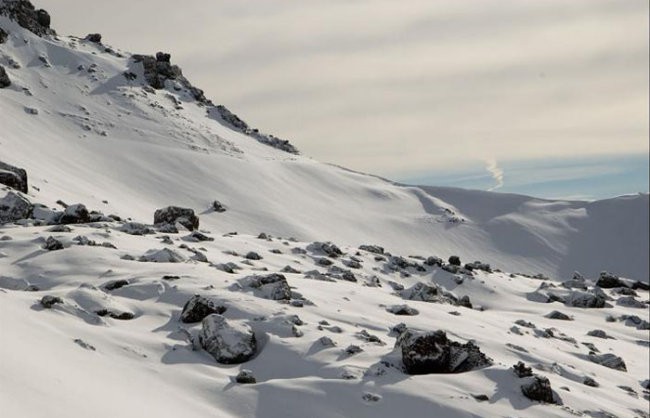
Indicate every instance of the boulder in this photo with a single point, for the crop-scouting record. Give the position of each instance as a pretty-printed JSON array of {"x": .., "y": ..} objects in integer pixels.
[
  {"x": 427, "y": 293},
  {"x": 228, "y": 343},
  {"x": 75, "y": 214},
  {"x": 598, "y": 333},
  {"x": 174, "y": 214},
  {"x": 402, "y": 310},
  {"x": 11, "y": 176},
  {"x": 631, "y": 302},
  {"x": 433, "y": 352},
  {"x": 559, "y": 315},
  {"x": 328, "y": 248},
  {"x": 538, "y": 388},
  {"x": 14, "y": 207},
  {"x": 49, "y": 301},
  {"x": 198, "y": 307},
  {"x": 3, "y": 36},
  {"x": 5, "y": 81},
  {"x": 454, "y": 260},
  {"x": 582, "y": 299},
  {"x": 375, "y": 249},
  {"x": 162, "y": 256},
  {"x": 521, "y": 370},
  {"x": 218, "y": 206}
]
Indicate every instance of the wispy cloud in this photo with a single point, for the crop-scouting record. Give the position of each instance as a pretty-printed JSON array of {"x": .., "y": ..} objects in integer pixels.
[{"x": 496, "y": 172}]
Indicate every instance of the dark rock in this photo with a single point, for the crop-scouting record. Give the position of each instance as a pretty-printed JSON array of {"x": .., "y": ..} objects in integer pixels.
[
  {"x": 538, "y": 389},
  {"x": 245, "y": 377},
  {"x": 329, "y": 249},
  {"x": 631, "y": 302},
  {"x": 400, "y": 263},
  {"x": 454, "y": 260},
  {"x": 171, "y": 277},
  {"x": 640, "y": 285},
  {"x": 609, "y": 360},
  {"x": 5, "y": 81},
  {"x": 198, "y": 307},
  {"x": 218, "y": 206},
  {"x": 402, "y": 310},
  {"x": 174, "y": 214},
  {"x": 526, "y": 324},
  {"x": 163, "y": 57},
  {"x": 371, "y": 397},
  {"x": 11, "y": 176},
  {"x": 94, "y": 37},
  {"x": 252, "y": 255},
  {"x": 464, "y": 301},
  {"x": 48, "y": 301},
  {"x": 375, "y": 249},
  {"x": 478, "y": 265},
  {"x": 324, "y": 262},
  {"x": 75, "y": 214},
  {"x": 52, "y": 244},
  {"x": 26, "y": 15},
  {"x": 427, "y": 293},
  {"x": 228, "y": 343},
  {"x": 197, "y": 236},
  {"x": 3, "y": 36},
  {"x": 434, "y": 261},
  {"x": 588, "y": 381},
  {"x": 122, "y": 316},
  {"x": 609, "y": 281},
  {"x": 580, "y": 299},
  {"x": 14, "y": 207},
  {"x": 559, "y": 315},
  {"x": 598, "y": 333},
  {"x": 432, "y": 352},
  {"x": 481, "y": 397},
  {"x": 521, "y": 370},
  {"x": 116, "y": 284}
]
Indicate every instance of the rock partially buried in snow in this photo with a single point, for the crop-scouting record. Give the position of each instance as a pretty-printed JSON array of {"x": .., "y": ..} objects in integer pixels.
[
  {"x": 49, "y": 301},
  {"x": 52, "y": 244},
  {"x": 432, "y": 352},
  {"x": 162, "y": 256},
  {"x": 198, "y": 307},
  {"x": 228, "y": 343},
  {"x": 609, "y": 281},
  {"x": 559, "y": 315},
  {"x": 75, "y": 214},
  {"x": 245, "y": 377},
  {"x": 174, "y": 214},
  {"x": 538, "y": 388},
  {"x": 273, "y": 286},
  {"x": 428, "y": 293}
]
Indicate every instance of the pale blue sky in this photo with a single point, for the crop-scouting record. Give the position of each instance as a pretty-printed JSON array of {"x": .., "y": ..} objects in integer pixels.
[{"x": 404, "y": 88}]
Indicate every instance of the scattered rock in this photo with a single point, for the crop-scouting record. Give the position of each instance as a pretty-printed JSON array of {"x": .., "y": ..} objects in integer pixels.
[
  {"x": 631, "y": 302},
  {"x": 116, "y": 284},
  {"x": 174, "y": 214},
  {"x": 538, "y": 388},
  {"x": 375, "y": 249},
  {"x": 402, "y": 310},
  {"x": 588, "y": 381},
  {"x": 14, "y": 207},
  {"x": 521, "y": 370},
  {"x": 454, "y": 260},
  {"x": 252, "y": 255},
  {"x": 5, "y": 81},
  {"x": 353, "y": 349},
  {"x": 427, "y": 293},
  {"x": 559, "y": 315},
  {"x": 598, "y": 333},
  {"x": 94, "y": 37},
  {"x": 327, "y": 248},
  {"x": 197, "y": 236},
  {"x": 52, "y": 244},
  {"x": 228, "y": 343},
  {"x": 609, "y": 281},
  {"x": 162, "y": 256},
  {"x": 198, "y": 307},
  {"x": 3, "y": 36},
  {"x": 371, "y": 397},
  {"x": 218, "y": 206},
  {"x": 273, "y": 286},
  {"x": 481, "y": 397},
  {"x": 609, "y": 360},
  {"x": 49, "y": 301},
  {"x": 245, "y": 376},
  {"x": 433, "y": 352},
  {"x": 75, "y": 214}
]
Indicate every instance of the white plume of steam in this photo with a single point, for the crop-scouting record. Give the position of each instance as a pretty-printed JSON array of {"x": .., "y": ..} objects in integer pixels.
[{"x": 493, "y": 168}]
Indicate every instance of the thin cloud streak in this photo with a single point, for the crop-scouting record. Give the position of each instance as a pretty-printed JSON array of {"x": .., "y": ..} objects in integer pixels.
[{"x": 497, "y": 173}]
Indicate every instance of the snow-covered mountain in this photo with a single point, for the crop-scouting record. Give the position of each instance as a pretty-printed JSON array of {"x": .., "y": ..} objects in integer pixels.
[{"x": 127, "y": 134}]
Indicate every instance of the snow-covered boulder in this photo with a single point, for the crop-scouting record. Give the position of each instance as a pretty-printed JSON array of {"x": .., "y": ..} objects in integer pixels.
[
  {"x": 11, "y": 176},
  {"x": 428, "y": 293},
  {"x": 433, "y": 352},
  {"x": 14, "y": 207},
  {"x": 227, "y": 342},
  {"x": 198, "y": 307},
  {"x": 162, "y": 256},
  {"x": 581, "y": 299},
  {"x": 174, "y": 214}
]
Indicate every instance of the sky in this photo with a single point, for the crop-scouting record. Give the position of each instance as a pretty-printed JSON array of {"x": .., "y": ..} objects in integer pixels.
[{"x": 421, "y": 90}]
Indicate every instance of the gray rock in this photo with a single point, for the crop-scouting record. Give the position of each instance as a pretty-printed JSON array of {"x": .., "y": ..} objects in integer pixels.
[
  {"x": 14, "y": 207},
  {"x": 75, "y": 214},
  {"x": 609, "y": 360},
  {"x": 228, "y": 343},
  {"x": 631, "y": 302},
  {"x": 427, "y": 293},
  {"x": 273, "y": 286},
  {"x": 5, "y": 81},
  {"x": 94, "y": 37},
  {"x": 174, "y": 214},
  {"x": 402, "y": 310},
  {"x": 559, "y": 315},
  {"x": 588, "y": 381},
  {"x": 598, "y": 333},
  {"x": 3, "y": 36},
  {"x": 252, "y": 255},
  {"x": 375, "y": 249},
  {"x": 609, "y": 281},
  {"x": 198, "y": 307},
  {"x": 49, "y": 301}
]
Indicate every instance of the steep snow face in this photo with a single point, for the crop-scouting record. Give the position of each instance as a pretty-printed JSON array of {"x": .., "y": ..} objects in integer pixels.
[{"x": 83, "y": 120}]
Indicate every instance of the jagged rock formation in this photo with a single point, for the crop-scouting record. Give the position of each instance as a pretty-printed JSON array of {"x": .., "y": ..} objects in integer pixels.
[
  {"x": 27, "y": 16},
  {"x": 11, "y": 176}
]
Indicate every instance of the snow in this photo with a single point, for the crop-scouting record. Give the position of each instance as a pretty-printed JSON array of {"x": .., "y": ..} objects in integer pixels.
[{"x": 101, "y": 140}]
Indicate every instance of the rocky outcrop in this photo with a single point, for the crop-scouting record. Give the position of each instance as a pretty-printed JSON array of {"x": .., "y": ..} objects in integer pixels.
[
  {"x": 174, "y": 214},
  {"x": 11, "y": 176},
  {"x": 198, "y": 307},
  {"x": 26, "y": 15},
  {"x": 14, "y": 207},
  {"x": 432, "y": 352},
  {"x": 228, "y": 343}
]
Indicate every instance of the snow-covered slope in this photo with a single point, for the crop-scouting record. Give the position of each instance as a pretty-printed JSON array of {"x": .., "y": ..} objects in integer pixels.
[
  {"x": 84, "y": 121},
  {"x": 100, "y": 136}
]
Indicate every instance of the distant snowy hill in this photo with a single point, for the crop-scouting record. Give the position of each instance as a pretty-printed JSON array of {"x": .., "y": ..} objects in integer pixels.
[{"x": 128, "y": 134}]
